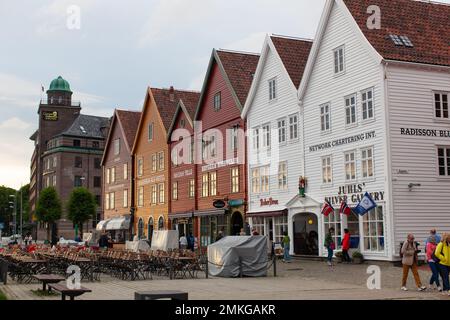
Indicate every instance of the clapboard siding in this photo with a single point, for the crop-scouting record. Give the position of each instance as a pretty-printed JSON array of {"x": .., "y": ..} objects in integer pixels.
[
  {"x": 411, "y": 105},
  {"x": 263, "y": 111},
  {"x": 361, "y": 72}
]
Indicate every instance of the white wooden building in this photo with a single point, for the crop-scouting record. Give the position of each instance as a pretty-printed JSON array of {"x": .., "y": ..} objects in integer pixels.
[{"x": 374, "y": 103}]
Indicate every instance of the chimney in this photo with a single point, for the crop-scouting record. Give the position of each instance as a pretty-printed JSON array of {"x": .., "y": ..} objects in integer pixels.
[{"x": 172, "y": 94}]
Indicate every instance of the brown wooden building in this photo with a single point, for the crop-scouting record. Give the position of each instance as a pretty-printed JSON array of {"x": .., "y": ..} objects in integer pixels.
[
  {"x": 152, "y": 160},
  {"x": 118, "y": 183},
  {"x": 221, "y": 151},
  {"x": 183, "y": 184}
]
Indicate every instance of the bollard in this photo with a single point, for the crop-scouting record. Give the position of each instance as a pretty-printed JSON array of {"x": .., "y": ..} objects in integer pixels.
[
  {"x": 274, "y": 265},
  {"x": 206, "y": 268}
]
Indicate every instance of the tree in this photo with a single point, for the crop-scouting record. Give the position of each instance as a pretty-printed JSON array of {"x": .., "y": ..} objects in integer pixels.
[
  {"x": 48, "y": 208},
  {"x": 81, "y": 207}
]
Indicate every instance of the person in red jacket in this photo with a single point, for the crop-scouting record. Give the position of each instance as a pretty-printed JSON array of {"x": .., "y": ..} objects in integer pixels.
[{"x": 346, "y": 246}]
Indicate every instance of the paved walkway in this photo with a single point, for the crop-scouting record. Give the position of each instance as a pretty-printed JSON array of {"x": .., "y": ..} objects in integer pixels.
[{"x": 299, "y": 280}]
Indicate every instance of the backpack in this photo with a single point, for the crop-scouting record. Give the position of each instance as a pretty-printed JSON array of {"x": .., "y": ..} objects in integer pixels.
[{"x": 435, "y": 258}]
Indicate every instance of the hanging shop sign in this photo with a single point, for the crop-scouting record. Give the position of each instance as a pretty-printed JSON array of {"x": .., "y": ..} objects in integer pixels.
[
  {"x": 353, "y": 194},
  {"x": 50, "y": 115},
  {"x": 219, "y": 204},
  {"x": 344, "y": 141}
]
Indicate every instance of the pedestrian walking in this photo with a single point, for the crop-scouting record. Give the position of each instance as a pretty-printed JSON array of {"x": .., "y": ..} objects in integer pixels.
[
  {"x": 191, "y": 242},
  {"x": 286, "y": 242},
  {"x": 330, "y": 245},
  {"x": 442, "y": 255},
  {"x": 346, "y": 246},
  {"x": 409, "y": 260},
  {"x": 433, "y": 233},
  {"x": 183, "y": 242},
  {"x": 431, "y": 248}
]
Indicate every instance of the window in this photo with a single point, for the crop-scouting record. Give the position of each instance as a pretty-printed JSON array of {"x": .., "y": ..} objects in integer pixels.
[
  {"x": 325, "y": 117},
  {"x": 112, "y": 200},
  {"x": 161, "y": 223},
  {"x": 116, "y": 147},
  {"x": 444, "y": 161},
  {"x": 205, "y": 185},
  {"x": 266, "y": 136},
  {"x": 191, "y": 188},
  {"x": 47, "y": 181},
  {"x": 350, "y": 166},
  {"x": 367, "y": 163},
  {"x": 234, "y": 137},
  {"x": 161, "y": 191},
  {"x": 140, "y": 169},
  {"x": 282, "y": 176},
  {"x": 113, "y": 175},
  {"x": 78, "y": 182},
  {"x": 125, "y": 171},
  {"x": 125, "y": 198},
  {"x": 272, "y": 89},
  {"x": 154, "y": 162},
  {"x": 256, "y": 185},
  {"x": 141, "y": 197},
  {"x": 265, "y": 179},
  {"x": 217, "y": 101},
  {"x": 78, "y": 162},
  {"x": 350, "y": 110},
  {"x": 373, "y": 229},
  {"x": 55, "y": 162},
  {"x": 256, "y": 139},
  {"x": 182, "y": 123},
  {"x": 77, "y": 143},
  {"x": 174, "y": 155},
  {"x": 54, "y": 181},
  {"x": 48, "y": 164},
  {"x": 258, "y": 224},
  {"x": 107, "y": 201},
  {"x": 95, "y": 144},
  {"x": 281, "y": 226},
  {"x": 326, "y": 170},
  {"x": 367, "y": 104},
  {"x": 334, "y": 221},
  {"x": 175, "y": 191},
  {"x": 98, "y": 200},
  {"x": 97, "y": 163},
  {"x": 150, "y": 132},
  {"x": 161, "y": 161},
  {"x": 281, "y": 131},
  {"x": 97, "y": 182},
  {"x": 339, "y": 60},
  {"x": 213, "y": 183},
  {"x": 235, "y": 180},
  {"x": 154, "y": 194},
  {"x": 108, "y": 176},
  {"x": 213, "y": 146},
  {"x": 293, "y": 127},
  {"x": 441, "y": 105}
]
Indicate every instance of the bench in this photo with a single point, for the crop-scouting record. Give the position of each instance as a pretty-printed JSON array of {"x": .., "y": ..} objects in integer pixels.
[
  {"x": 48, "y": 279},
  {"x": 155, "y": 295},
  {"x": 66, "y": 291}
]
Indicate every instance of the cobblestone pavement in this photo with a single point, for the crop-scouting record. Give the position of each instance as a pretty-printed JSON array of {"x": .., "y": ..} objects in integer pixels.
[{"x": 299, "y": 280}]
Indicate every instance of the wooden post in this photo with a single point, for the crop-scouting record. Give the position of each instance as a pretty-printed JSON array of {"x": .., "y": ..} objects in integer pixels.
[{"x": 274, "y": 265}]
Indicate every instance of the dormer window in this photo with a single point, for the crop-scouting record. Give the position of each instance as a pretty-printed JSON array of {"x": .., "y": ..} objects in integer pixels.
[
  {"x": 339, "y": 62},
  {"x": 217, "y": 101},
  {"x": 272, "y": 89}
]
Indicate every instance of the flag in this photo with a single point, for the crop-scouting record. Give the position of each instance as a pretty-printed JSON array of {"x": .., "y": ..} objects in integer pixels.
[
  {"x": 365, "y": 205},
  {"x": 327, "y": 209},
  {"x": 42, "y": 88},
  {"x": 345, "y": 209}
]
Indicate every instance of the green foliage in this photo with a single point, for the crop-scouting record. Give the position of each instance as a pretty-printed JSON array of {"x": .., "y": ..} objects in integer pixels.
[
  {"x": 5, "y": 211},
  {"x": 81, "y": 206},
  {"x": 24, "y": 196},
  {"x": 2, "y": 296},
  {"x": 358, "y": 255},
  {"x": 49, "y": 206}
]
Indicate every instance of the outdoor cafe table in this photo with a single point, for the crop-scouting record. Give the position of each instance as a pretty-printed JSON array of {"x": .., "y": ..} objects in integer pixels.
[{"x": 48, "y": 279}]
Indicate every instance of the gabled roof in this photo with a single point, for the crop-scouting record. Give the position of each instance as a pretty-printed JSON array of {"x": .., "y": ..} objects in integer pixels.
[
  {"x": 237, "y": 69},
  {"x": 426, "y": 24},
  {"x": 87, "y": 127},
  {"x": 188, "y": 107},
  {"x": 294, "y": 54},
  {"x": 129, "y": 121}
]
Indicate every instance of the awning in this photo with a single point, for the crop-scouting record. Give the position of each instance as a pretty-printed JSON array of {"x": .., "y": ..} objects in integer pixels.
[
  {"x": 102, "y": 225},
  {"x": 207, "y": 213},
  {"x": 122, "y": 223},
  {"x": 180, "y": 215},
  {"x": 279, "y": 213}
]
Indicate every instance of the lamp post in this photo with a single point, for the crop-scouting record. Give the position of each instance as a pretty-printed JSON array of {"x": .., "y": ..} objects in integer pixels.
[{"x": 12, "y": 205}]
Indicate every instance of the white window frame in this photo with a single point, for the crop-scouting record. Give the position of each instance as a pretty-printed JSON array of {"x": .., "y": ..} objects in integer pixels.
[
  {"x": 113, "y": 175},
  {"x": 117, "y": 147},
  {"x": 364, "y": 104},
  {"x": 234, "y": 137},
  {"x": 441, "y": 105},
  {"x": 108, "y": 176},
  {"x": 150, "y": 132},
  {"x": 293, "y": 127},
  {"x": 265, "y": 179},
  {"x": 154, "y": 199},
  {"x": 205, "y": 185},
  {"x": 107, "y": 202},
  {"x": 325, "y": 117},
  {"x": 125, "y": 171},
  {"x": 367, "y": 219},
  {"x": 140, "y": 167},
  {"x": 256, "y": 181},
  {"x": 217, "y": 101},
  {"x": 266, "y": 136},
  {"x": 235, "y": 179},
  {"x": 192, "y": 188},
  {"x": 175, "y": 190},
  {"x": 162, "y": 193},
  {"x": 154, "y": 163},
  {"x": 141, "y": 197},
  {"x": 213, "y": 183},
  {"x": 55, "y": 162},
  {"x": 256, "y": 136},
  {"x": 350, "y": 164},
  {"x": 282, "y": 130},
  {"x": 161, "y": 164},
  {"x": 54, "y": 181},
  {"x": 365, "y": 160},
  {"x": 339, "y": 60},
  {"x": 351, "y": 110},
  {"x": 446, "y": 161},
  {"x": 273, "y": 94},
  {"x": 125, "y": 198},
  {"x": 112, "y": 200},
  {"x": 327, "y": 167},
  {"x": 283, "y": 176}
]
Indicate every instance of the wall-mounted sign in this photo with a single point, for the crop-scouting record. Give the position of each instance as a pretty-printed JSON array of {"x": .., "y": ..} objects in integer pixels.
[
  {"x": 353, "y": 194},
  {"x": 156, "y": 179},
  {"x": 268, "y": 202},
  {"x": 50, "y": 115},
  {"x": 221, "y": 164},
  {"x": 425, "y": 132},
  {"x": 181, "y": 174},
  {"x": 219, "y": 204},
  {"x": 343, "y": 141}
]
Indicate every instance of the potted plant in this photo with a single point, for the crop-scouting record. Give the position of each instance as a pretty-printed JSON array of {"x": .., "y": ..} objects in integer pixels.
[
  {"x": 339, "y": 256},
  {"x": 358, "y": 258}
]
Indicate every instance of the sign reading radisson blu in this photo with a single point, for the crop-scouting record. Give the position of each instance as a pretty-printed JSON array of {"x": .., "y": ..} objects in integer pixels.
[
  {"x": 343, "y": 141},
  {"x": 425, "y": 132}
]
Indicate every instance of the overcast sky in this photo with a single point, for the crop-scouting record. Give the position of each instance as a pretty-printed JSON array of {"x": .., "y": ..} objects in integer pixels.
[{"x": 121, "y": 48}]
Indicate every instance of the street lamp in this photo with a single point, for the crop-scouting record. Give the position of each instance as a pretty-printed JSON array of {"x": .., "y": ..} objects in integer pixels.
[{"x": 12, "y": 205}]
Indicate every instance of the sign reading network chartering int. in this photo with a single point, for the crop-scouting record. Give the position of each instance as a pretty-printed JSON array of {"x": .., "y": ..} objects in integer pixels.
[{"x": 343, "y": 141}]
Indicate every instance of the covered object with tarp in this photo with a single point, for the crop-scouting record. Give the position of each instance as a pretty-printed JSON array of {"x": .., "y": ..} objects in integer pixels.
[{"x": 232, "y": 255}]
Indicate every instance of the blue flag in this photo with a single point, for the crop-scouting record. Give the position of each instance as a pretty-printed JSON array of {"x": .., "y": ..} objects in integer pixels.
[{"x": 365, "y": 205}]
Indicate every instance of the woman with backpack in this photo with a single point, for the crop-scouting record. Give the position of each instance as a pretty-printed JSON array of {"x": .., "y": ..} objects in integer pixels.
[
  {"x": 330, "y": 245},
  {"x": 431, "y": 248},
  {"x": 442, "y": 254},
  {"x": 409, "y": 261}
]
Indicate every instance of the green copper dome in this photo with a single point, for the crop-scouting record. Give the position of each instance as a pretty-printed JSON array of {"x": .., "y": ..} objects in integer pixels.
[{"x": 59, "y": 84}]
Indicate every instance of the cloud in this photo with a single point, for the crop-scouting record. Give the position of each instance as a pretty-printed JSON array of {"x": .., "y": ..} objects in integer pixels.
[
  {"x": 18, "y": 92},
  {"x": 250, "y": 43},
  {"x": 14, "y": 124}
]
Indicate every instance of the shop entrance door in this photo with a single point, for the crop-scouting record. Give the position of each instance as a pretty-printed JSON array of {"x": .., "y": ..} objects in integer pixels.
[
  {"x": 306, "y": 235},
  {"x": 269, "y": 227},
  {"x": 237, "y": 223}
]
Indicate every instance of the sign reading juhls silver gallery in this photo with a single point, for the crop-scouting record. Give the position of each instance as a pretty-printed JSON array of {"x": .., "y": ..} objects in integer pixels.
[{"x": 353, "y": 194}]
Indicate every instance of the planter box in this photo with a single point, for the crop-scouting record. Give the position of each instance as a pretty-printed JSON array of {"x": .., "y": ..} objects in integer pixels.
[{"x": 358, "y": 260}]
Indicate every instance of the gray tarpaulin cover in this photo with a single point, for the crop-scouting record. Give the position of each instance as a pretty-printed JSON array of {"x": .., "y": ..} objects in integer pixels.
[{"x": 226, "y": 255}]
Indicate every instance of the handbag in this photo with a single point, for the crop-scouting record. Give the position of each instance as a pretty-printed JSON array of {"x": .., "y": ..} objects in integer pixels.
[{"x": 435, "y": 258}]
